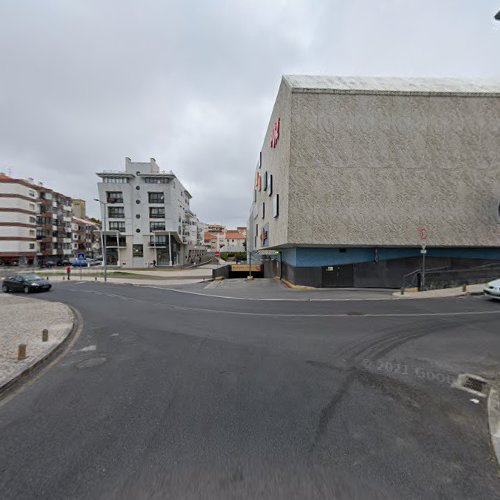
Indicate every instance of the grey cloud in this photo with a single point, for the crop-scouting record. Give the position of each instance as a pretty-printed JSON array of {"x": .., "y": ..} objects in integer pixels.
[{"x": 85, "y": 83}]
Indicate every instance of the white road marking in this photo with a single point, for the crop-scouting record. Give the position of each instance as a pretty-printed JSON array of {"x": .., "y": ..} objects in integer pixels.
[{"x": 259, "y": 299}]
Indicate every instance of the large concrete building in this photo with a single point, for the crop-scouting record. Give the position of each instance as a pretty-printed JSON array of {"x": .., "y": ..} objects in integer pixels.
[
  {"x": 147, "y": 217},
  {"x": 352, "y": 168}
]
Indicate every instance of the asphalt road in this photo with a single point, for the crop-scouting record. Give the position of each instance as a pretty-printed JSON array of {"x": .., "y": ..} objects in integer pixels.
[{"x": 170, "y": 395}]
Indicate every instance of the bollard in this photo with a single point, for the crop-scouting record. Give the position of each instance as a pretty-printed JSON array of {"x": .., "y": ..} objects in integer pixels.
[
  {"x": 464, "y": 287},
  {"x": 21, "y": 352},
  {"x": 45, "y": 335}
]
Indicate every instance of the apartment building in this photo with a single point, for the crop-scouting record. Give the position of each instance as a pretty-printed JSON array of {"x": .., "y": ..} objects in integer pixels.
[
  {"x": 35, "y": 223},
  {"x": 146, "y": 216},
  {"x": 18, "y": 221},
  {"x": 353, "y": 169},
  {"x": 85, "y": 237},
  {"x": 54, "y": 231},
  {"x": 79, "y": 207}
]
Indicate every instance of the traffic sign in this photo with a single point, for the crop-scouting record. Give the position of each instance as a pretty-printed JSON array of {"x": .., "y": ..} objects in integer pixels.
[{"x": 80, "y": 256}]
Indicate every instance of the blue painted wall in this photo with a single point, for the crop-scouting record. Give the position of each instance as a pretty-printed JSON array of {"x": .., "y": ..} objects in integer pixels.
[{"x": 314, "y": 257}]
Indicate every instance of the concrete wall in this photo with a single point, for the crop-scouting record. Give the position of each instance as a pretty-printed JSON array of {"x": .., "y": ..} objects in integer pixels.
[
  {"x": 275, "y": 162},
  {"x": 373, "y": 169}
]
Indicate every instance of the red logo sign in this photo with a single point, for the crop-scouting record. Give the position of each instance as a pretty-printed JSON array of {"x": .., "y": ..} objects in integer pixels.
[
  {"x": 275, "y": 134},
  {"x": 423, "y": 234}
]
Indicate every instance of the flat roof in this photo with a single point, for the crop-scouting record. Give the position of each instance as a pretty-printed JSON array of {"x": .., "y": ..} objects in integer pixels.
[{"x": 392, "y": 85}]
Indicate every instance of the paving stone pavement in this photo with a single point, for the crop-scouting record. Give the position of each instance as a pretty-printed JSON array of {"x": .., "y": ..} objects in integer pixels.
[{"x": 22, "y": 320}]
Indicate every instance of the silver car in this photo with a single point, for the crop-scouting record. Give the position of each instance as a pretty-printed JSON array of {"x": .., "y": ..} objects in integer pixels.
[{"x": 492, "y": 289}]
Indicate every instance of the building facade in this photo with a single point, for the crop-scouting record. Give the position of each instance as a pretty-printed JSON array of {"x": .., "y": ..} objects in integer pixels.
[
  {"x": 54, "y": 232},
  {"x": 79, "y": 208},
  {"x": 85, "y": 236},
  {"x": 146, "y": 216},
  {"x": 220, "y": 239},
  {"x": 18, "y": 221},
  {"x": 352, "y": 169}
]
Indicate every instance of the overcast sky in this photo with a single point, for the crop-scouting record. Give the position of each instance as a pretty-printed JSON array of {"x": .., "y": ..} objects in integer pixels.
[{"x": 84, "y": 83}]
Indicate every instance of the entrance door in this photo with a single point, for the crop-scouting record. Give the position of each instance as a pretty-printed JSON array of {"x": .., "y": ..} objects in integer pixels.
[
  {"x": 163, "y": 257},
  {"x": 338, "y": 276}
]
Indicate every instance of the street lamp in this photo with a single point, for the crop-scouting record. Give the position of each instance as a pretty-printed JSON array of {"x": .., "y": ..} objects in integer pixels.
[{"x": 103, "y": 239}]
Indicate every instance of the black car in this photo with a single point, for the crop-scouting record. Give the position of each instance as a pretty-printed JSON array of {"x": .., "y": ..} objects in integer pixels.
[{"x": 25, "y": 283}]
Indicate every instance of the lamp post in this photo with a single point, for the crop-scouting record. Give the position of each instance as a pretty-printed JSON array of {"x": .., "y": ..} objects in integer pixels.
[{"x": 103, "y": 239}]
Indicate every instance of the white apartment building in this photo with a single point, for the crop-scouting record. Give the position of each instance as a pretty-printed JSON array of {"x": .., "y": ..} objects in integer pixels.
[
  {"x": 146, "y": 216},
  {"x": 18, "y": 221}
]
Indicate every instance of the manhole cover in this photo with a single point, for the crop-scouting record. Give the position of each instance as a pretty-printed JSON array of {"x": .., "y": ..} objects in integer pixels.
[
  {"x": 89, "y": 363},
  {"x": 472, "y": 383}
]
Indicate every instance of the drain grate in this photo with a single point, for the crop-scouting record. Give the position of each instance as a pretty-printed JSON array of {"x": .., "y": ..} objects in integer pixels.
[{"x": 474, "y": 384}]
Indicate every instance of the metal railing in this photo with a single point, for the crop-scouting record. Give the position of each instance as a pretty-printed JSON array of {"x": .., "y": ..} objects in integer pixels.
[{"x": 446, "y": 277}]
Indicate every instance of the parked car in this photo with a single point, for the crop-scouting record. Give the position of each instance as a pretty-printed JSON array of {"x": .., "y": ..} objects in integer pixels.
[
  {"x": 79, "y": 263},
  {"x": 95, "y": 262},
  {"x": 492, "y": 289},
  {"x": 25, "y": 283},
  {"x": 48, "y": 263},
  {"x": 64, "y": 262}
]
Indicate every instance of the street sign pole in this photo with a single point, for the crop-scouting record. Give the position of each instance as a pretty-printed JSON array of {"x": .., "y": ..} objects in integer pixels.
[{"x": 423, "y": 251}]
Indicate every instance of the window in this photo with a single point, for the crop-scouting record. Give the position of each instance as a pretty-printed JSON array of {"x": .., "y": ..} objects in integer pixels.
[
  {"x": 32, "y": 220},
  {"x": 114, "y": 196},
  {"x": 270, "y": 185},
  {"x": 156, "y": 197},
  {"x": 137, "y": 251},
  {"x": 138, "y": 216},
  {"x": 117, "y": 226},
  {"x": 137, "y": 202},
  {"x": 116, "y": 212},
  {"x": 115, "y": 180},
  {"x": 31, "y": 193},
  {"x": 32, "y": 207},
  {"x": 156, "y": 212},
  {"x": 32, "y": 246},
  {"x": 158, "y": 240},
  {"x": 157, "y": 226},
  {"x": 263, "y": 209},
  {"x": 156, "y": 180},
  {"x": 256, "y": 236},
  {"x": 276, "y": 206},
  {"x": 32, "y": 232},
  {"x": 137, "y": 188},
  {"x": 265, "y": 181}
]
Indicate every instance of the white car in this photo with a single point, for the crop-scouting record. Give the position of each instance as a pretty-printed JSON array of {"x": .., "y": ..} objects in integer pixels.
[{"x": 492, "y": 289}]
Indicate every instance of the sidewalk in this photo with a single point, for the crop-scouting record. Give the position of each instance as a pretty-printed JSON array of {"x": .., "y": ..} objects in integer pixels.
[
  {"x": 441, "y": 293},
  {"x": 21, "y": 322},
  {"x": 126, "y": 280}
]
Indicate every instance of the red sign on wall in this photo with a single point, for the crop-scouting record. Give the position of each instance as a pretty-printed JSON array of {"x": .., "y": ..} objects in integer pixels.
[{"x": 275, "y": 134}]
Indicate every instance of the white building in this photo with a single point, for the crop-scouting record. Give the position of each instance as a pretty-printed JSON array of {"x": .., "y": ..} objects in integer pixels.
[
  {"x": 18, "y": 223},
  {"x": 147, "y": 216}
]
